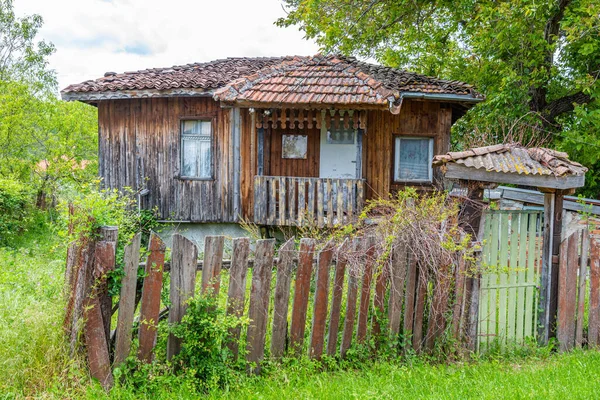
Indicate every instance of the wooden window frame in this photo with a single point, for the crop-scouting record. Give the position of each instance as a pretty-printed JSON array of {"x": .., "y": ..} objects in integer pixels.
[
  {"x": 213, "y": 128},
  {"x": 393, "y": 161}
]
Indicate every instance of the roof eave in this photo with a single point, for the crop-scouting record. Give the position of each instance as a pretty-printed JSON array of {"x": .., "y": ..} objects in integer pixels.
[
  {"x": 447, "y": 97},
  {"x": 458, "y": 171},
  {"x": 89, "y": 97}
]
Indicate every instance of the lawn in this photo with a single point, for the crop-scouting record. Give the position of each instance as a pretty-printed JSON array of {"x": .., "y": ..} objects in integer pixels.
[{"x": 34, "y": 363}]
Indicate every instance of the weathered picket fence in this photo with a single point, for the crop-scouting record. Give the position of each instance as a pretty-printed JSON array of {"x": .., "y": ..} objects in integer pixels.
[
  {"x": 578, "y": 287},
  {"x": 396, "y": 300}
]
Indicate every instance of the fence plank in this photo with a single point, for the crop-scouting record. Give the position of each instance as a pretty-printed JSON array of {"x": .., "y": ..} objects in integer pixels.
[
  {"x": 340, "y": 201},
  {"x": 493, "y": 280},
  {"x": 398, "y": 276},
  {"x": 237, "y": 288},
  {"x": 310, "y": 207},
  {"x": 529, "y": 330},
  {"x": 292, "y": 201},
  {"x": 317, "y": 336},
  {"x": 365, "y": 293},
  {"x": 482, "y": 338},
  {"x": 503, "y": 290},
  {"x": 184, "y": 256},
  {"x": 381, "y": 284},
  {"x": 512, "y": 278},
  {"x": 521, "y": 278},
  {"x": 127, "y": 300},
  {"x": 336, "y": 301},
  {"x": 301, "y": 292},
  {"x": 259, "y": 303},
  {"x": 301, "y": 201},
  {"x": 594, "y": 311},
  {"x": 150, "y": 303},
  {"x": 320, "y": 204},
  {"x": 409, "y": 300},
  {"x": 565, "y": 330},
  {"x": 459, "y": 293},
  {"x": 272, "y": 200},
  {"x": 351, "y": 299},
  {"x": 282, "y": 201},
  {"x": 329, "y": 196},
  {"x": 350, "y": 202},
  {"x": 585, "y": 247},
  {"x": 213, "y": 261},
  {"x": 104, "y": 262},
  {"x": 417, "y": 331},
  {"x": 96, "y": 344},
  {"x": 287, "y": 254}
]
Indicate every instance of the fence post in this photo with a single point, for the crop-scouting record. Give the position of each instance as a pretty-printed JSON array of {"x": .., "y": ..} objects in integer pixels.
[{"x": 544, "y": 318}]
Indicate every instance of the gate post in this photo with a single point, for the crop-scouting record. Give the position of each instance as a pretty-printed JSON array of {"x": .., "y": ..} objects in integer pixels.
[{"x": 548, "y": 293}]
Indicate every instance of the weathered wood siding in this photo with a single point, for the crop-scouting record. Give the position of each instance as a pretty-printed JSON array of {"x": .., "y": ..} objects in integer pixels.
[
  {"x": 416, "y": 118},
  {"x": 139, "y": 144}
]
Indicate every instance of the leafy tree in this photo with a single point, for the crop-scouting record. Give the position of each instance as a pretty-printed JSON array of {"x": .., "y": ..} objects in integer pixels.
[
  {"x": 537, "y": 62},
  {"x": 45, "y": 143},
  {"x": 21, "y": 57}
]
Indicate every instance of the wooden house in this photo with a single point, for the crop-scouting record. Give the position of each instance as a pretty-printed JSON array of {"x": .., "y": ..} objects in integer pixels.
[{"x": 283, "y": 141}]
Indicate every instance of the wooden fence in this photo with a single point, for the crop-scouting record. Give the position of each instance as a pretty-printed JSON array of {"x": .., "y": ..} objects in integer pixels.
[
  {"x": 396, "y": 301},
  {"x": 578, "y": 289},
  {"x": 511, "y": 260}
]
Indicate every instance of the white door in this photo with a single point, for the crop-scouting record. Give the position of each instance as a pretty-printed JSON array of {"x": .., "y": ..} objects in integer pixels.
[{"x": 338, "y": 153}]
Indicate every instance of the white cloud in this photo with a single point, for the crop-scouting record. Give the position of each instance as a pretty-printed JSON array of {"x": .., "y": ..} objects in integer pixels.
[{"x": 95, "y": 36}]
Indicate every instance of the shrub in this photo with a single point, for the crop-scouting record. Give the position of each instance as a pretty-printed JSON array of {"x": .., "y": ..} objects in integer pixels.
[
  {"x": 15, "y": 209},
  {"x": 204, "y": 354}
]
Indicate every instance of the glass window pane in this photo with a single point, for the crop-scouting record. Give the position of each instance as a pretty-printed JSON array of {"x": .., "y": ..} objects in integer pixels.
[
  {"x": 196, "y": 127},
  {"x": 196, "y": 158},
  {"x": 190, "y": 154},
  {"x": 412, "y": 159}
]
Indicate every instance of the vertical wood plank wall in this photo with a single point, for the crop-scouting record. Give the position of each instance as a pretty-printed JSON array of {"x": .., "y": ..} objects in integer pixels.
[
  {"x": 139, "y": 142},
  {"x": 416, "y": 118}
]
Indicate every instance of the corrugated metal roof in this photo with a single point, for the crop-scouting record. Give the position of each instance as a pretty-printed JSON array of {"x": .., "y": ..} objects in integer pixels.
[{"x": 515, "y": 159}]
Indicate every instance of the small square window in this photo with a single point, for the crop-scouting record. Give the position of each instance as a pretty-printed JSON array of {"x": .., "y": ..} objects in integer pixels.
[
  {"x": 412, "y": 161},
  {"x": 294, "y": 146},
  {"x": 196, "y": 149}
]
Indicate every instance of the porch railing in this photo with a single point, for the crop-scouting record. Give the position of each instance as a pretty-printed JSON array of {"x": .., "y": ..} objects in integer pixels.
[{"x": 321, "y": 202}]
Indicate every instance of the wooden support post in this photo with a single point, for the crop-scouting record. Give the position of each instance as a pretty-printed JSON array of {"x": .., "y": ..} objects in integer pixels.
[
  {"x": 544, "y": 316},
  {"x": 557, "y": 225}
]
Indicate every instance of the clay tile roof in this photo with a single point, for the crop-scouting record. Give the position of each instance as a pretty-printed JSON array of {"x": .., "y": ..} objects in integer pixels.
[
  {"x": 205, "y": 76},
  {"x": 514, "y": 158},
  {"x": 292, "y": 79},
  {"x": 338, "y": 77}
]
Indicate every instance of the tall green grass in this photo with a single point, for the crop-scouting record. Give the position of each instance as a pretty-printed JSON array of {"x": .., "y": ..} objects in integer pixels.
[{"x": 33, "y": 357}]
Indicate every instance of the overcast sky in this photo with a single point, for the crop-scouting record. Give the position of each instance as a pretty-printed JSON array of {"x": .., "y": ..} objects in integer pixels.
[{"x": 95, "y": 36}]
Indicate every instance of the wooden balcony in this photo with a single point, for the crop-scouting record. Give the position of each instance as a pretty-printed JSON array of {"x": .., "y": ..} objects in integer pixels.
[{"x": 321, "y": 202}]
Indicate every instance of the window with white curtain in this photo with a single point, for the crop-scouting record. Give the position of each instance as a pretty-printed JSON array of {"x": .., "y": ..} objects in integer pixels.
[
  {"x": 412, "y": 159},
  {"x": 196, "y": 149}
]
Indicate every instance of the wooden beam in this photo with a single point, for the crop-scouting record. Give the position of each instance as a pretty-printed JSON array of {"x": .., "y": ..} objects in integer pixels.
[
  {"x": 458, "y": 171},
  {"x": 544, "y": 317}
]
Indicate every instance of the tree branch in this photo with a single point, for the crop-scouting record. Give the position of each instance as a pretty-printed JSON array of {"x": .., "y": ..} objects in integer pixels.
[{"x": 563, "y": 105}]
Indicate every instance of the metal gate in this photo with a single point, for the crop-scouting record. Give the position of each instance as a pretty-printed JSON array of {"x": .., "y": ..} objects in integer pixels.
[{"x": 511, "y": 262}]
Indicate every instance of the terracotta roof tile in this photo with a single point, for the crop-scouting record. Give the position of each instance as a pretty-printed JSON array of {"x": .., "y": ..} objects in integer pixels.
[
  {"x": 319, "y": 79},
  {"x": 516, "y": 159}
]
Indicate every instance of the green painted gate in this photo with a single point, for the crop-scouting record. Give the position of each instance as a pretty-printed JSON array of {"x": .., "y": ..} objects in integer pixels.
[{"x": 511, "y": 261}]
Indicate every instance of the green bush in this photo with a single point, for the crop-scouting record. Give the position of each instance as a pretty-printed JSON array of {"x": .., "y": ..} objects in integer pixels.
[
  {"x": 204, "y": 354},
  {"x": 15, "y": 208}
]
